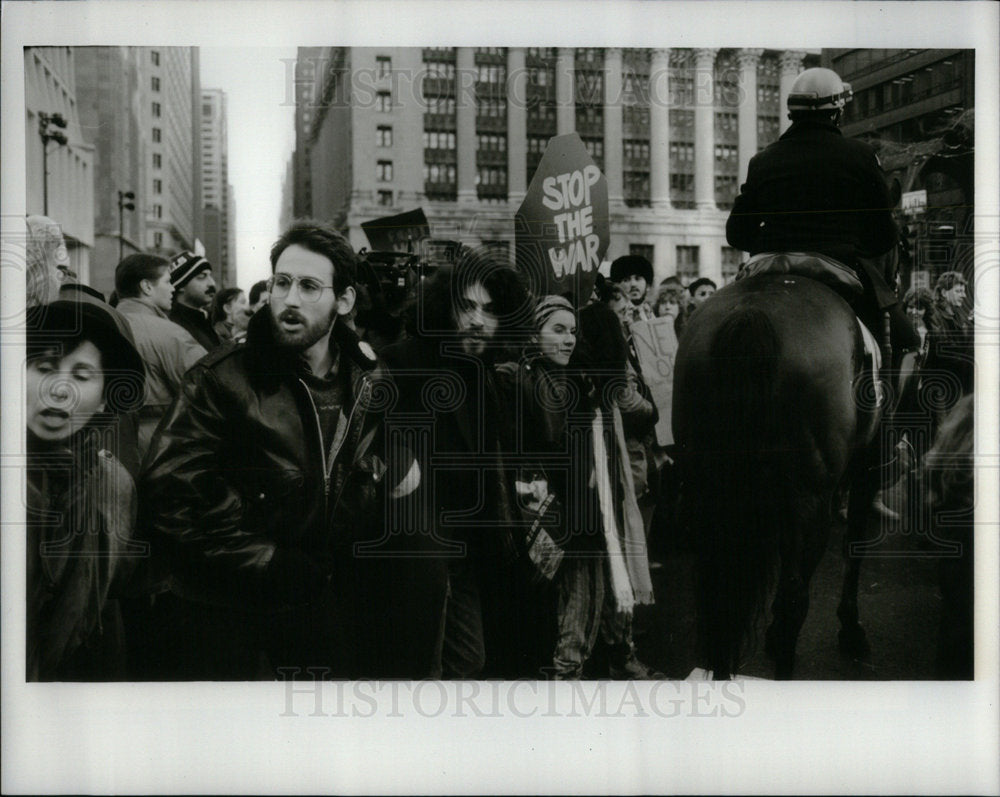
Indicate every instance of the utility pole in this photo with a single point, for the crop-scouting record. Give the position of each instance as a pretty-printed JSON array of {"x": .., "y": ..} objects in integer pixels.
[
  {"x": 124, "y": 203},
  {"x": 44, "y": 121}
]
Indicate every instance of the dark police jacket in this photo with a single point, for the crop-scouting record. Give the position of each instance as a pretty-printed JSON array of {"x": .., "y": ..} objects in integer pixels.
[
  {"x": 814, "y": 191},
  {"x": 252, "y": 513}
]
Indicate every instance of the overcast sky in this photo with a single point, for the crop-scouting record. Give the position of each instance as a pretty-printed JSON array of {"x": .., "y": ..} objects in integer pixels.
[{"x": 261, "y": 137}]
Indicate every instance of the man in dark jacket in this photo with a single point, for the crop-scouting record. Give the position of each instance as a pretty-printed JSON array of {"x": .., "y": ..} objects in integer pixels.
[
  {"x": 194, "y": 290},
  {"x": 267, "y": 477},
  {"x": 815, "y": 191},
  {"x": 448, "y": 398}
]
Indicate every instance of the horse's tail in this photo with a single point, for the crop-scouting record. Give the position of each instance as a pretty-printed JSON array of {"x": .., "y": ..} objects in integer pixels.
[{"x": 735, "y": 492}]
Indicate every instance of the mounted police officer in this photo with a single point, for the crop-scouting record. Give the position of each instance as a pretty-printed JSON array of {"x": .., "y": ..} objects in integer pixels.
[{"x": 815, "y": 191}]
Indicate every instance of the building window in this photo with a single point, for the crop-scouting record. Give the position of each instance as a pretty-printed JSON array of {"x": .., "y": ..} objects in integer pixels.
[
  {"x": 156, "y": 83},
  {"x": 157, "y": 160},
  {"x": 158, "y": 211},
  {"x": 157, "y": 186},
  {"x": 492, "y": 143},
  {"x": 383, "y": 102},
  {"x": 154, "y": 56},
  {"x": 156, "y": 110},
  {"x": 383, "y": 136},
  {"x": 439, "y": 173},
  {"x": 687, "y": 262},
  {"x": 641, "y": 250},
  {"x": 383, "y": 66},
  {"x": 730, "y": 263},
  {"x": 438, "y": 139},
  {"x": 206, "y": 109},
  {"x": 156, "y": 135},
  {"x": 383, "y": 171},
  {"x": 385, "y": 198}
]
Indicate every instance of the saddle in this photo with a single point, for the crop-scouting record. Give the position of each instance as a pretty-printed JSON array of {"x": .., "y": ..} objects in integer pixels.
[
  {"x": 813, "y": 265},
  {"x": 833, "y": 274}
]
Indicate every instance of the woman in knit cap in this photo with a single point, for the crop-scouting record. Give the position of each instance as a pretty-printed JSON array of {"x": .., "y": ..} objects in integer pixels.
[
  {"x": 82, "y": 371},
  {"x": 584, "y": 534}
]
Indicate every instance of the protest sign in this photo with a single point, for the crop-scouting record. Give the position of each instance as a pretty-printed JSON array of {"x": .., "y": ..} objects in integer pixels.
[
  {"x": 562, "y": 228},
  {"x": 656, "y": 346}
]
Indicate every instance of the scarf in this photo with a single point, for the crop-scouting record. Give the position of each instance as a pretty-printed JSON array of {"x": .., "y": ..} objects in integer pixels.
[{"x": 630, "y": 580}]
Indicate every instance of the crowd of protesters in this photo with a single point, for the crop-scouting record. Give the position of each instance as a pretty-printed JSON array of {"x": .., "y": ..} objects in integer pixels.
[{"x": 227, "y": 485}]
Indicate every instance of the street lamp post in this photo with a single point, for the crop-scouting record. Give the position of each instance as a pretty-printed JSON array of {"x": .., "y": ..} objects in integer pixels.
[
  {"x": 44, "y": 121},
  {"x": 124, "y": 203}
]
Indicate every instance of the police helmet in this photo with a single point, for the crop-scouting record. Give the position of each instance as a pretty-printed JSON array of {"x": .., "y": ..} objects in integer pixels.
[{"x": 819, "y": 89}]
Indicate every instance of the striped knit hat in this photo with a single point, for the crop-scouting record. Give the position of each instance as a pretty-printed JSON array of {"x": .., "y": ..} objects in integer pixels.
[
  {"x": 548, "y": 305},
  {"x": 185, "y": 267}
]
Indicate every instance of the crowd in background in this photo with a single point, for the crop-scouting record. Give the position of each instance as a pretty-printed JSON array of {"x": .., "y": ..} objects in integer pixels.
[{"x": 231, "y": 485}]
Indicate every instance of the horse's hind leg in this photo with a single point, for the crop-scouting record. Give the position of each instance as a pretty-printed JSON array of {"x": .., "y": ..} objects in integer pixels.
[
  {"x": 801, "y": 550},
  {"x": 852, "y": 638}
]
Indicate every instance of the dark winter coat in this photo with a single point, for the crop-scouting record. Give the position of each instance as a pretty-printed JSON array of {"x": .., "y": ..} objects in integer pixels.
[
  {"x": 252, "y": 513},
  {"x": 814, "y": 190},
  {"x": 197, "y": 323},
  {"x": 81, "y": 512}
]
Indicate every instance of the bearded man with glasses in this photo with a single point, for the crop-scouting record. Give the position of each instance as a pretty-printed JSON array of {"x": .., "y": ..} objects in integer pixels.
[{"x": 266, "y": 479}]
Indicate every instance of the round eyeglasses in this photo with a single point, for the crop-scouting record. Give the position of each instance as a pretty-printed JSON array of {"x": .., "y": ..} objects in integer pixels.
[{"x": 309, "y": 289}]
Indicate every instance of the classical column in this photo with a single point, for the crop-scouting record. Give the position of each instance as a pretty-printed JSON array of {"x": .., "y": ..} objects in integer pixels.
[
  {"x": 704, "y": 128},
  {"x": 791, "y": 65},
  {"x": 748, "y": 61},
  {"x": 465, "y": 120},
  {"x": 659, "y": 129},
  {"x": 565, "y": 101},
  {"x": 613, "y": 158},
  {"x": 517, "y": 126}
]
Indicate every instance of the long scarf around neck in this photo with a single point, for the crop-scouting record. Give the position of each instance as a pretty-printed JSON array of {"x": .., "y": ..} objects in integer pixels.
[{"x": 629, "y": 566}]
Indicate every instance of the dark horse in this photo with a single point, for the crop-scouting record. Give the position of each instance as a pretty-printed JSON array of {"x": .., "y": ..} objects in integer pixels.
[{"x": 774, "y": 414}]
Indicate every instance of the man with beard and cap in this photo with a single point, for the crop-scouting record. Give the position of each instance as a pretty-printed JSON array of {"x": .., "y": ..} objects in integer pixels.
[
  {"x": 267, "y": 478},
  {"x": 448, "y": 396},
  {"x": 194, "y": 290},
  {"x": 634, "y": 274}
]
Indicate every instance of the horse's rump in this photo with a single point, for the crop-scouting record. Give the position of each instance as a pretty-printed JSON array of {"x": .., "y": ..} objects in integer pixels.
[{"x": 765, "y": 420}]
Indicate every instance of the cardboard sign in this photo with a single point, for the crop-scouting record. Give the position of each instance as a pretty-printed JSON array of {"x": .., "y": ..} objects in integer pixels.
[
  {"x": 398, "y": 233},
  {"x": 562, "y": 228},
  {"x": 656, "y": 346}
]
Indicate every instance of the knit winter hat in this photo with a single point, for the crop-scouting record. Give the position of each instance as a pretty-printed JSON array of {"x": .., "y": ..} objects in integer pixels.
[
  {"x": 548, "y": 305},
  {"x": 185, "y": 267}
]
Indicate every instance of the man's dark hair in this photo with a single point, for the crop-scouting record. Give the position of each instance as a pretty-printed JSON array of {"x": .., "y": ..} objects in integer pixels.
[
  {"x": 627, "y": 265},
  {"x": 222, "y": 298},
  {"x": 136, "y": 268},
  {"x": 699, "y": 282},
  {"x": 601, "y": 351},
  {"x": 323, "y": 240},
  {"x": 255, "y": 292},
  {"x": 433, "y": 311}
]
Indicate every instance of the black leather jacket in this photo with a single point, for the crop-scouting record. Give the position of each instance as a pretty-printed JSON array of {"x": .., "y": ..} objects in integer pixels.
[{"x": 237, "y": 492}]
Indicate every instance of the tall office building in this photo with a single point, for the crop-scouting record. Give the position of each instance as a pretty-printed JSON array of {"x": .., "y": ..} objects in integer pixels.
[
  {"x": 215, "y": 188},
  {"x": 60, "y": 176},
  {"x": 170, "y": 81},
  {"x": 136, "y": 106},
  {"x": 305, "y": 82},
  {"x": 112, "y": 118},
  {"x": 916, "y": 108},
  {"x": 460, "y": 131}
]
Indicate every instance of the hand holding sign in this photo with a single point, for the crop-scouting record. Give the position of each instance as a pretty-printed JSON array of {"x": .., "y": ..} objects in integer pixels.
[{"x": 562, "y": 227}]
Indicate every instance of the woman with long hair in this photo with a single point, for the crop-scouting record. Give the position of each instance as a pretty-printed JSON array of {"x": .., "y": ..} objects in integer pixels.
[{"x": 570, "y": 392}]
